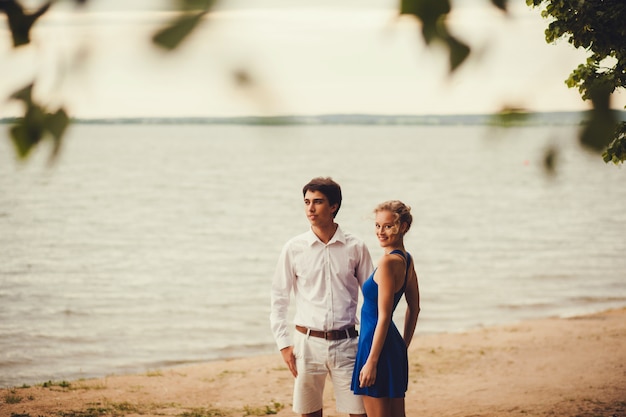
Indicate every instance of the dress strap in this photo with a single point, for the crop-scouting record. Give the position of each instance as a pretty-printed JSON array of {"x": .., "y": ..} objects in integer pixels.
[
  {"x": 407, "y": 258},
  {"x": 406, "y": 273}
]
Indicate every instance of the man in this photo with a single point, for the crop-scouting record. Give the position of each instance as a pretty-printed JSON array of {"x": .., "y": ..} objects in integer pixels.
[{"x": 325, "y": 268}]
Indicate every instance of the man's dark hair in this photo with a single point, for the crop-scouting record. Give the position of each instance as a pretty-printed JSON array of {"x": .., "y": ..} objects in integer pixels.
[{"x": 328, "y": 187}]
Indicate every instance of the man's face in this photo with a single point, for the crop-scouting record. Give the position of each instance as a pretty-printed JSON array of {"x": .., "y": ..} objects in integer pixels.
[{"x": 318, "y": 210}]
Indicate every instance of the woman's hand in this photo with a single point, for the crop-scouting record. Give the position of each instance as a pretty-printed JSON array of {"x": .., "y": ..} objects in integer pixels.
[{"x": 367, "y": 376}]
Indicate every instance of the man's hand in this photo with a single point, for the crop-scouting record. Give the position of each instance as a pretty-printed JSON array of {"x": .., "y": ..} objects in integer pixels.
[{"x": 290, "y": 359}]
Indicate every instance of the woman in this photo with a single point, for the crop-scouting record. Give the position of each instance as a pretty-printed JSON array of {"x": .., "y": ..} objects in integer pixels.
[{"x": 381, "y": 371}]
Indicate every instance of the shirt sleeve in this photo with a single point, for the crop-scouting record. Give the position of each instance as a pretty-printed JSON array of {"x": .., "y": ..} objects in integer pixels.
[
  {"x": 282, "y": 286},
  {"x": 365, "y": 267}
]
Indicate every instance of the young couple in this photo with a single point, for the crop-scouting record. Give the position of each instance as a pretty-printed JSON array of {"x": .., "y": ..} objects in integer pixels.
[{"x": 324, "y": 268}]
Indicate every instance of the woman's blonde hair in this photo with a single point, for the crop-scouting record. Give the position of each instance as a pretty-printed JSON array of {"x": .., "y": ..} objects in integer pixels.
[{"x": 401, "y": 212}]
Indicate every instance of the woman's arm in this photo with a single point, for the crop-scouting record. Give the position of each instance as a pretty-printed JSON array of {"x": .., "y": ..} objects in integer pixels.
[
  {"x": 388, "y": 269},
  {"x": 412, "y": 296}
]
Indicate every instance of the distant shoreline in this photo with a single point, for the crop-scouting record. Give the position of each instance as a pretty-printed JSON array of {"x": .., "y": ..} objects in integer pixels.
[{"x": 511, "y": 118}]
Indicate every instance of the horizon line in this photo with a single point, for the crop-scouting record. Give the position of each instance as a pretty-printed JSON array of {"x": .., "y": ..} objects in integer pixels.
[{"x": 508, "y": 116}]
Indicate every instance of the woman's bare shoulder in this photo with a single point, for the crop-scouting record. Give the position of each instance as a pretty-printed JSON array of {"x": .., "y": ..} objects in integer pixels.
[{"x": 391, "y": 261}]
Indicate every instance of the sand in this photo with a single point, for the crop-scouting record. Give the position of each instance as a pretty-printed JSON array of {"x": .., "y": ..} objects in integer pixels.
[{"x": 548, "y": 367}]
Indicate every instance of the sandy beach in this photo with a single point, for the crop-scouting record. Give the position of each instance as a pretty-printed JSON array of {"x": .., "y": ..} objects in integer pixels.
[{"x": 549, "y": 367}]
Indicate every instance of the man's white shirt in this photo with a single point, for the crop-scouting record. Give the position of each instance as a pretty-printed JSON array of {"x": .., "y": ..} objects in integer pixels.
[{"x": 325, "y": 281}]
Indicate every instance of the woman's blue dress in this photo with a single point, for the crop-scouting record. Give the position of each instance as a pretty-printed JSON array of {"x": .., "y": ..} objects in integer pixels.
[{"x": 392, "y": 372}]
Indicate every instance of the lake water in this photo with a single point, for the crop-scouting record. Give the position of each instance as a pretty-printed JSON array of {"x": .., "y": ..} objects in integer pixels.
[{"x": 147, "y": 246}]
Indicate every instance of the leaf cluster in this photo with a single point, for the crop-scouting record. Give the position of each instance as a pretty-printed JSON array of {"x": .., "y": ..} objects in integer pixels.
[
  {"x": 616, "y": 151},
  {"x": 39, "y": 122},
  {"x": 598, "y": 27}
]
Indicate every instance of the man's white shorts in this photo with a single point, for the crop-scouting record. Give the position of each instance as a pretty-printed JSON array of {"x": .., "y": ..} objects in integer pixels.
[{"x": 315, "y": 359}]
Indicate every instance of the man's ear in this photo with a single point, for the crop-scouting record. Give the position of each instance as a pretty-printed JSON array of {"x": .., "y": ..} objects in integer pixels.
[{"x": 334, "y": 209}]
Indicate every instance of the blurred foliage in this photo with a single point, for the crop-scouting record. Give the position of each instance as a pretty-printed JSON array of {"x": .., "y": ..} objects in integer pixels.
[
  {"x": 19, "y": 21},
  {"x": 616, "y": 151},
  {"x": 599, "y": 27},
  {"x": 510, "y": 116},
  {"x": 432, "y": 15},
  {"x": 595, "y": 25},
  {"x": 36, "y": 124},
  {"x": 549, "y": 160},
  {"x": 191, "y": 14}
]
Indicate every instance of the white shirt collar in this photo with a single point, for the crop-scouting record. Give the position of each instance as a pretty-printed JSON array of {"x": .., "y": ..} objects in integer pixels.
[{"x": 311, "y": 237}]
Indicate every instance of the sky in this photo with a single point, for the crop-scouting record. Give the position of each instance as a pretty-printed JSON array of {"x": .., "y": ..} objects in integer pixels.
[{"x": 301, "y": 57}]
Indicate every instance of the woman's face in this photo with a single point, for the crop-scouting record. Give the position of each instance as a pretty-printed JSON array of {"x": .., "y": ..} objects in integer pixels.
[{"x": 387, "y": 229}]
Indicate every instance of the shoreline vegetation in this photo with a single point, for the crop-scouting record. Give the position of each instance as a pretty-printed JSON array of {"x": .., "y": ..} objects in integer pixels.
[
  {"x": 512, "y": 117},
  {"x": 572, "y": 366}
]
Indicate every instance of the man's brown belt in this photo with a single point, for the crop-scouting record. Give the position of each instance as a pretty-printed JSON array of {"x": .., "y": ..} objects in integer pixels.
[{"x": 331, "y": 334}]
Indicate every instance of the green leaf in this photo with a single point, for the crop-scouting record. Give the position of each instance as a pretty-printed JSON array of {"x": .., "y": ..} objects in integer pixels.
[
  {"x": 500, "y": 4},
  {"x": 426, "y": 10},
  {"x": 195, "y": 5},
  {"x": 432, "y": 15},
  {"x": 20, "y": 23},
  {"x": 21, "y": 140},
  {"x": 598, "y": 132},
  {"x": 458, "y": 53},
  {"x": 510, "y": 116},
  {"x": 25, "y": 94},
  {"x": 171, "y": 36},
  {"x": 549, "y": 160},
  {"x": 29, "y": 130},
  {"x": 56, "y": 124}
]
